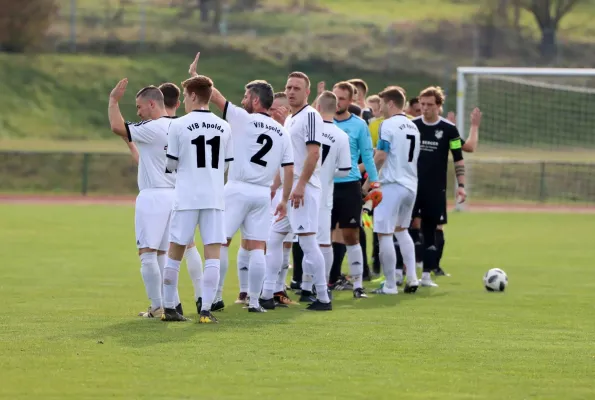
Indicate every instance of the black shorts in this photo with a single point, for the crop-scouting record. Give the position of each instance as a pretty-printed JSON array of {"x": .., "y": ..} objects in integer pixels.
[
  {"x": 347, "y": 205},
  {"x": 430, "y": 205}
]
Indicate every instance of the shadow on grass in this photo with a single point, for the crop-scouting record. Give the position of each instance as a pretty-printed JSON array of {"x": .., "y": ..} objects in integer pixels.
[{"x": 344, "y": 300}]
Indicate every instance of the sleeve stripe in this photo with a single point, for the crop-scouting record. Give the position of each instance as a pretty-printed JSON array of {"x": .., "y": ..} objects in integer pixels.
[
  {"x": 171, "y": 157},
  {"x": 225, "y": 110},
  {"x": 128, "y": 133},
  {"x": 310, "y": 128},
  {"x": 228, "y": 159},
  {"x": 286, "y": 164},
  {"x": 345, "y": 169}
]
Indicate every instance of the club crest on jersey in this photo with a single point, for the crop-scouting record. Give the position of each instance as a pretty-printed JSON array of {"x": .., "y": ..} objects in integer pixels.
[{"x": 439, "y": 134}]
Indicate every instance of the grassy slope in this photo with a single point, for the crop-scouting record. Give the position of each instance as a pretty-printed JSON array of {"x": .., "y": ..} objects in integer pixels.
[{"x": 70, "y": 326}]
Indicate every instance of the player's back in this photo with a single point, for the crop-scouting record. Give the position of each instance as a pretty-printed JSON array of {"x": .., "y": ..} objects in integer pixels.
[
  {"x": 355, "y": 127},
  {"x": 261, "y": 146},
  {"x": 150, "y": 138},
  {"x": 335, "y": 154},
  {"x": 400, "y": 165},
  {"x": 305, "y": 127},
  {"x": 201, "y": 141}
]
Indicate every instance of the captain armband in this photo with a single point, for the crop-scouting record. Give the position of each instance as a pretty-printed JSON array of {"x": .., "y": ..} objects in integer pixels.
[
  {"x": 383, "y": 145},
  {"x": 456, "y": 148}
]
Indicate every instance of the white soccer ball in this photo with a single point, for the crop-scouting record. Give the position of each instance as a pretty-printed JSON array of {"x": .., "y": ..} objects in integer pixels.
[{"x": 495, "y": 280}]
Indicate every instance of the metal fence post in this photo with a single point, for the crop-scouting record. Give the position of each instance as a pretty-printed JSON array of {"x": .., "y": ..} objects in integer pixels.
[{"x": 85, "y": 174}]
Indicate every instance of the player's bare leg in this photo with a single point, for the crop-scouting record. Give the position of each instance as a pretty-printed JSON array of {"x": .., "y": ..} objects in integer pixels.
[
  {"x": 355, "y": 257},
  {"x": 171, "y": 273},
  {"x": 152, "y": 279},
  {"x": 243, "y": 260},
  {"x": 194, "y": 265}
]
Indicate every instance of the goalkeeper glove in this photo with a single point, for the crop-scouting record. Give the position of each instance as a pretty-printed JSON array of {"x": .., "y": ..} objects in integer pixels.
[{"x": 373, "y": 198}]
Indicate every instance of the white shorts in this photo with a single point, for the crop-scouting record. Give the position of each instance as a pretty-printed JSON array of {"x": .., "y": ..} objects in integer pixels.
[
  {"x": 211, "y": 224},
  {"x": 303, "y": 219},
  {"x": 247, "y": 208},
  {"x": 152, "y": 218},
  {"x": 290, "y": 237},
  {"x": 395, "y": 209},
  {"x": 323, "y": 236}
]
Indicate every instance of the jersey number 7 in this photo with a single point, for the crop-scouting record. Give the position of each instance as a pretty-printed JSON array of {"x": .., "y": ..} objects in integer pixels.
[
  {"x": 411, "y": 138},
  {"x": 201, "y": 144}
]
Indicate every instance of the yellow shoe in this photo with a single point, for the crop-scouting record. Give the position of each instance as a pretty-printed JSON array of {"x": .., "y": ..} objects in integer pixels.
[{"x": 207, "y": 318}]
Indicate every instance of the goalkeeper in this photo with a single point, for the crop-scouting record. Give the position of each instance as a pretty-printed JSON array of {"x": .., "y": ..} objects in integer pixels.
[{"x": 347, "y": 195}]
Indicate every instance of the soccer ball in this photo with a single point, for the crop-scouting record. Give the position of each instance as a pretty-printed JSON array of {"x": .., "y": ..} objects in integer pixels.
[{"x": 495, "y": 280}]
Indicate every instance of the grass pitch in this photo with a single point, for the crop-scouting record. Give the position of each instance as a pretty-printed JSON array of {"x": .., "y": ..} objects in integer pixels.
[{"x": 71, "y": 288}]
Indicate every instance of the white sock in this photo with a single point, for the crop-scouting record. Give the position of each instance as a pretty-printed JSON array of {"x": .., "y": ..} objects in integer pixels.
[
  {"x": 355, "y": 257},
  {"x": 388, "y": 260},
  {"x": 194, "y": 264},
  {"x": 243, "y": 271},
  {"x": 224, "y": 262},
  {"x": 256, "y": 273},
  {"x": 161, "y": 260},
  {"x": 274, "y": 258},
  {"x": 314, "y": 263},
  {"x": 210, "y": 282},
  {"x": 149, "y": 270},
  {"x": 407, "y": 248},
  {"x": 327, "y": 253},
  {"x": 284, "y": 269},
  {"x": 171, "y": 273}
]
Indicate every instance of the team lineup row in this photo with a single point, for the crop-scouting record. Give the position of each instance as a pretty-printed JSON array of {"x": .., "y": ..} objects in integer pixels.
[{"x": 294, "y": 167}]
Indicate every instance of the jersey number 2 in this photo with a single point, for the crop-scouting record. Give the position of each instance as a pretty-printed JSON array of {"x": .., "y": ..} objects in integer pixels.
[
  {"x": 411, "y": 146},
  {"x": 267, "y": 145},
  {"x": 201, "y": 144}
]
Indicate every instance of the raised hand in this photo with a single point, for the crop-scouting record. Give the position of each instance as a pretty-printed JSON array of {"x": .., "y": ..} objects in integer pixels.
[
  {"x": 476, "y": 117},
  {"x": 194, "y": 65},
  {"x": 118, "y": 91}
]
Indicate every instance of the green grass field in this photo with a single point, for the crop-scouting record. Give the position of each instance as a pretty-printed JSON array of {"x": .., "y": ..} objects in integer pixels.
[{"x": 71, "y": 289}]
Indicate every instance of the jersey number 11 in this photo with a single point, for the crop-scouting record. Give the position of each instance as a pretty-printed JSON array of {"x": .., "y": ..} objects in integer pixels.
[{"x": 201, "y": 144}]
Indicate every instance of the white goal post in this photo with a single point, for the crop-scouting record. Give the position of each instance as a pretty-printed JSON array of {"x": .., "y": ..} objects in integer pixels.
[{"x": 537, "y": 129}]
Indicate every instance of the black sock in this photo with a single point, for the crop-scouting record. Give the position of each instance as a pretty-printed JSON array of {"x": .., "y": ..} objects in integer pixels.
[
  {"x": 298, "y": 257},
  {"x": 439, "y": 245},
  {"x": 375, "y": 254},
  {"x": 430, "y": 251},
  {"x": 339, "y": 251},
  {"x": 419, "y": 248},
  {"x": 363, "y": 242}
]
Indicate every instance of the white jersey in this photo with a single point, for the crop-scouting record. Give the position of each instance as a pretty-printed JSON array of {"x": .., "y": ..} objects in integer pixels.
[
  {"x": 399, "y": 138},
  {"x": 260, "y": 143},
  {"x": 305, "y": 127},
  {"x": 201, "y": 142},
  {"x": 336, "y": 154},
  {"x": 150, "y": 138}
]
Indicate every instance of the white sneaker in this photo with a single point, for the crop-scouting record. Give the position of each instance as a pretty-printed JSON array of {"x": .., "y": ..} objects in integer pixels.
[
  {"x": 156, "y": 313},
  {"x": 427, "y": 282},
  {"x": 384, "y": 290}
]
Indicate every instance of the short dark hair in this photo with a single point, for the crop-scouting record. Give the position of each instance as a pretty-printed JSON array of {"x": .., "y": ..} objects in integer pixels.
[
  {"x": 355, "y": 110},
  {"x": 360, "y": 84},
  {"x": 280, "y": 95},
  {"x": 327, "y": 101},
  {"x": 413, "y": 101},
  {"x": 301, "y": 75},
  {"x": 394, "y": 94},
  {"x": 171, "y": 94},
  {"x": 345, "y": 86},
  {"x": 201, "y": 86},
  {"x": 264, "y": 91},
  {"x": 151, "y": 93}
]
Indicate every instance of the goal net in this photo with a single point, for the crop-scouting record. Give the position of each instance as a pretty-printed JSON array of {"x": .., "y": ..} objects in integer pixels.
[{"x": 537, "y": 135}]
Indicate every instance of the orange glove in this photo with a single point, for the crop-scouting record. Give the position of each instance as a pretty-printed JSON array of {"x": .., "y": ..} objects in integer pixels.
[{"x": 374, "y": 194}]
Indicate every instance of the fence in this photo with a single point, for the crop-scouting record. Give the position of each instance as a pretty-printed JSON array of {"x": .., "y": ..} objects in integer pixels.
[{"x": 99, "y": 173}]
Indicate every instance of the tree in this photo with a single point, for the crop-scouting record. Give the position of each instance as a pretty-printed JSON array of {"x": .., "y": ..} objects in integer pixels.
[
  {"x": 548, "y": 14},
  {"x": 23, "y": 24}
]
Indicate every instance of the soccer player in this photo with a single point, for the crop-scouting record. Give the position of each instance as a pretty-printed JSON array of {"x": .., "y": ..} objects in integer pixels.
[
  {"x": 261, "y": 147},
  {"x": 305, "y": 127},
  {"x": 154, "y": 201},
  {"x": 438, "y": 138},
  {"x": 362, "y": 91},
  {"x": 199, "y": 147},
  {"x": 396, "y": 158},
  {"x": 414, "y": 108},
  {"x": 347, "y": 203},
  {"x": 171, "y": 100},
  {"x": 336, "y": 162}
]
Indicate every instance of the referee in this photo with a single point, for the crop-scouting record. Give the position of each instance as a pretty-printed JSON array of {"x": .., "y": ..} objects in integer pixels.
[
  {"x": 438, "y": 137},
  {"x": 347, "y": 196}
]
